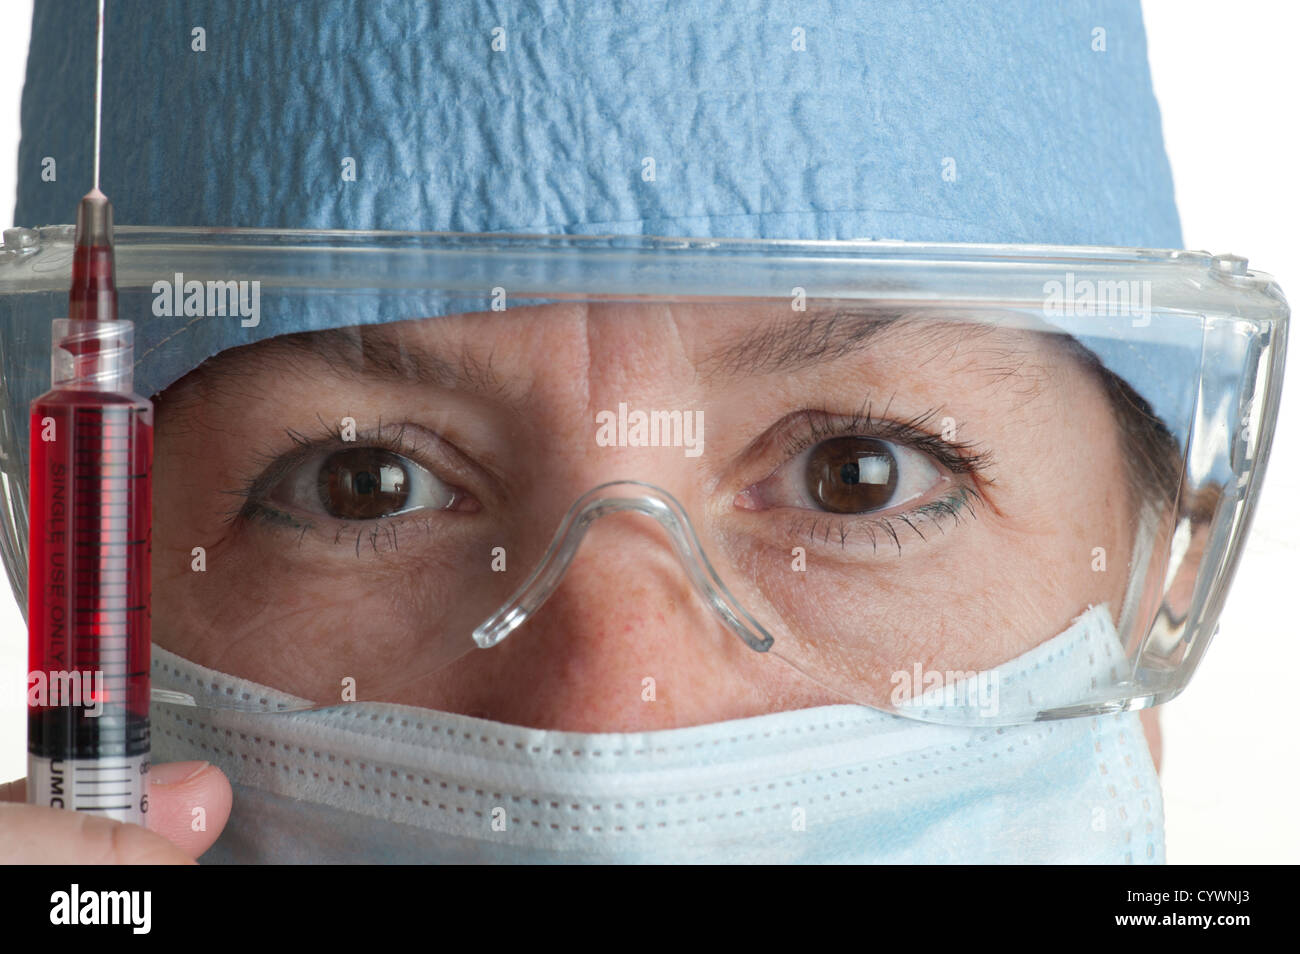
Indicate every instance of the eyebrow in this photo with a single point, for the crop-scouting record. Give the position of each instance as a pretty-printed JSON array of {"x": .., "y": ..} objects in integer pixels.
[
  {"x": 790, "y": 346},
  {"x": 379, "y": 352},
  {"x": 825, "y": 337}
]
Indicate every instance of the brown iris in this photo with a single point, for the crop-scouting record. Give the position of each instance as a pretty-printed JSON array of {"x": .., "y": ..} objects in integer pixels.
[
  {"x": 364, "y": 483},
  {"x": 851, "y": 475}
]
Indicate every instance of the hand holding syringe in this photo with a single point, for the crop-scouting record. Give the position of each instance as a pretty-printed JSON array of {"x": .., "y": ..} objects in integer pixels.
[
  {"x": 35, "y": 834},
  {"x": 89, "y": 784}
]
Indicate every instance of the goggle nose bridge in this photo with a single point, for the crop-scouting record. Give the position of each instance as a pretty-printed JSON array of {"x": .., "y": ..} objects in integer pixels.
[{"x": 622, "y": 497}]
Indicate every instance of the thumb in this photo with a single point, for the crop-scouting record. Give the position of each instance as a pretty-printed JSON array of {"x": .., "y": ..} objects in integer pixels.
[{"x": 189, "y": 804}]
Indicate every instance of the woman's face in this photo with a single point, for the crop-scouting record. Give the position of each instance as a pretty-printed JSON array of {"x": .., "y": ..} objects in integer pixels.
[{"x": 879, "y": 493}]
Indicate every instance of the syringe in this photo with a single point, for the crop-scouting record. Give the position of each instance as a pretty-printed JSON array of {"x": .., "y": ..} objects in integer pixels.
[{"x": 88, "y": 571}]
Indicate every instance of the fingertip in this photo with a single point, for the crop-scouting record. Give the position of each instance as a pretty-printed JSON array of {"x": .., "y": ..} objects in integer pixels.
[
  {"x": 15, "y": 791},
  {"x": 189, "y": 804}
]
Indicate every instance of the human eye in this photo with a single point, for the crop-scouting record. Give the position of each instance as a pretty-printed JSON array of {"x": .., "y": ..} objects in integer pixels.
[
  {"x": 326, "y": 482},
  {"x": 857, "y": 479}
]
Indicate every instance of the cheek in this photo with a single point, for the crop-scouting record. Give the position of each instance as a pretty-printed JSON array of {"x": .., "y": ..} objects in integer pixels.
[
  {"x": 1057, "y": 538},
  {"x": 1069, "y": 539},
  {"x": 1097, "y": 511}
]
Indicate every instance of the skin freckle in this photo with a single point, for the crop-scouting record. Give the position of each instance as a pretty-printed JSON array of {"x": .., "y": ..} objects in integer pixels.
[{"x": 516, "y": 436}]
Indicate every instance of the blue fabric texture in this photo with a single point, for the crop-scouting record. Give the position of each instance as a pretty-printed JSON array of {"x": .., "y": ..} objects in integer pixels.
[
  {"x": 1015, "y": 122},
  {"x": 991, "y": 121}
]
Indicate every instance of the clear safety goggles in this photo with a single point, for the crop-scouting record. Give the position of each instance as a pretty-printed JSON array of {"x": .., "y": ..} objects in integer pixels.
[{"x": 803, "y": 472}]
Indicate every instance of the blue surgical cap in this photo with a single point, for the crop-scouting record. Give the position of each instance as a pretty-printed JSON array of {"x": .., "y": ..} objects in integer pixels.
[{"x": 1013, "y": 121}]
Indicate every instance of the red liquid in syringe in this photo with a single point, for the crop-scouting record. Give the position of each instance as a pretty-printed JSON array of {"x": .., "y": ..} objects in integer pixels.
[{"x": 88, "y": 586}]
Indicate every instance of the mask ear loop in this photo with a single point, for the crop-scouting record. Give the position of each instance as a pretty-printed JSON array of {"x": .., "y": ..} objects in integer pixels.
[{"x": 619, "y": 497}]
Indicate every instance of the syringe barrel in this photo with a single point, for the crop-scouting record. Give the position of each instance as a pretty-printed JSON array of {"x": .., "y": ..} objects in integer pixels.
[{"x": 89, "y": 580}]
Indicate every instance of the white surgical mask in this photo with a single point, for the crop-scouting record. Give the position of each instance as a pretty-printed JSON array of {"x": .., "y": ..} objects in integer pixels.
[{"x": 372, "y": 782}]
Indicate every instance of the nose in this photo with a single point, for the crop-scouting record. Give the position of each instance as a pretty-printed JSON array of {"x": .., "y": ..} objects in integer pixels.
[{"x": 625, "y": 643}]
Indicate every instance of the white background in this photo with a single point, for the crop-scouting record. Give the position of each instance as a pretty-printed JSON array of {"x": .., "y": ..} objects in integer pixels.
[{"x": 1226, "y": 78}]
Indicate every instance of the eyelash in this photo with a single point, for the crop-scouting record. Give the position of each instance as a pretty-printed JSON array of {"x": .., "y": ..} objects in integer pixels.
[
  {"x": 829, "y": 526},
  {"x": 811, "y": 427},
  {"x": 271, "y": 468},
  {"x": 804, "y": 429},
  {"x": 960, "y": 457}
]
